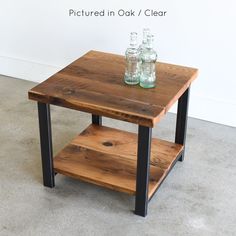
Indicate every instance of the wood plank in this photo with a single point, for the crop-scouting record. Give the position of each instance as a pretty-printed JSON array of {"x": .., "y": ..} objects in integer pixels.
[
  {"x": 170, "y": 78},
  {"x": 162, "y": 93},
  {"x": 94, "y": 83},
  {"x": 124, "y": 144},
  {"x": 98, "y": 103},
  {"x": 107, "y": 157},
  {"x": 101, "y": 169}
]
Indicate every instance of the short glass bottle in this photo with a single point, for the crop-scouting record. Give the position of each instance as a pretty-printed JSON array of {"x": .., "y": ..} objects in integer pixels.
[
  {"x": 133, "y": 61},
  {"x": 148, "y": 67}
]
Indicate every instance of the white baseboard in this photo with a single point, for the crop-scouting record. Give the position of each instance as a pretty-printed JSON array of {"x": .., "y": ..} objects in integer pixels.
[
  {"x": 209, "y": 109},
  {"x": 27, "y": 70},
  {"x": 214, "y": 110}
]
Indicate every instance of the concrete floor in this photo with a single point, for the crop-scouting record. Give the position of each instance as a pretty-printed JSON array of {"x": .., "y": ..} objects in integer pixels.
[{"x": 197, "y": 198}]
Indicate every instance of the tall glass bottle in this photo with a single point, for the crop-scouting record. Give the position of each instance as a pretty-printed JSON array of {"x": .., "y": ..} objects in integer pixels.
[
  {"x": 148, "y": 70},
  {"x": 133, "y": 61},
  {"x": 146, "y": 32}
]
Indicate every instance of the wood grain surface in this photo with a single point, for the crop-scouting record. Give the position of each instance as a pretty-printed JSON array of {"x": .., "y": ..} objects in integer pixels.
[
  {"x": 94, "y": 83},
  {"x": 108, "y": 157}
]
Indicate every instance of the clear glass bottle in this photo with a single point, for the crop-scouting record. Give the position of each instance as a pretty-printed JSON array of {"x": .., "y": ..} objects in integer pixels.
[
  {"x": 133, "y": 61},
  {"x": 148, "y": 67},
  {"x": 146, "y": 32}
]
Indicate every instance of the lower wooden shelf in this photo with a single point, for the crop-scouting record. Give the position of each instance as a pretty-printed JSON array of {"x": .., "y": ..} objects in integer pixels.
[{"x": 107, "y": 157}]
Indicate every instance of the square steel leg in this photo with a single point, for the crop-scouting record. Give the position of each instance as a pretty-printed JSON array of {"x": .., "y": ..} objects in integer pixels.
[
  {"x": 97, "y": 120},
  {"x": 143, "y": 169},
  {"x": 181, "y": 122},
  {"x": 46, "y": 144}
]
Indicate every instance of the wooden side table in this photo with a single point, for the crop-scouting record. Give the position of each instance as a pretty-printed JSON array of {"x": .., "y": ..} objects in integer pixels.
[{"x": 108, "y": 157}]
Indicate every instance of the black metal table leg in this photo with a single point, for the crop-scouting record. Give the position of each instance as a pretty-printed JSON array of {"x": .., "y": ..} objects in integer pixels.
[
  {"x": 143, "y": 168},
  {"x": 181, "y": 122},
  {"x": 46, "y": 144},
  {"x": 97, "y": 120}
]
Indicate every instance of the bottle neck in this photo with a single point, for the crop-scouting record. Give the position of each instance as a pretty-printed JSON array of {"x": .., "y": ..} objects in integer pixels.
[
  {"x": 133, "y": 44},
  {"x": 150, "y": 40},
  {"x": 133, "y": 40},
  {"x": 146, "y": 32}
]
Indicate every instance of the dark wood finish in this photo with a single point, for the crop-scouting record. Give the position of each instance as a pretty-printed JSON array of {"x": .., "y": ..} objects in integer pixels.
[
  {"x": 108, "y": 157},
  {"x": 94, "y": 84}
]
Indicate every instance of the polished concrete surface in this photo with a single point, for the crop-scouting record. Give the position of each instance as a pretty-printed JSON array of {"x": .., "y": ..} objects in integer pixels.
[{"x": 197, "y": 198}]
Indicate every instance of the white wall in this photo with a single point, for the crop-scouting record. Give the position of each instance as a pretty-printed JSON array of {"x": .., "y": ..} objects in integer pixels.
[{"x": 37, "y": 38}]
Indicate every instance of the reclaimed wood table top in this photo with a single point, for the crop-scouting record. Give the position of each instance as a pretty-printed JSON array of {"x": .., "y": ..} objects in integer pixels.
[{"x": 94, "y": 83}]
